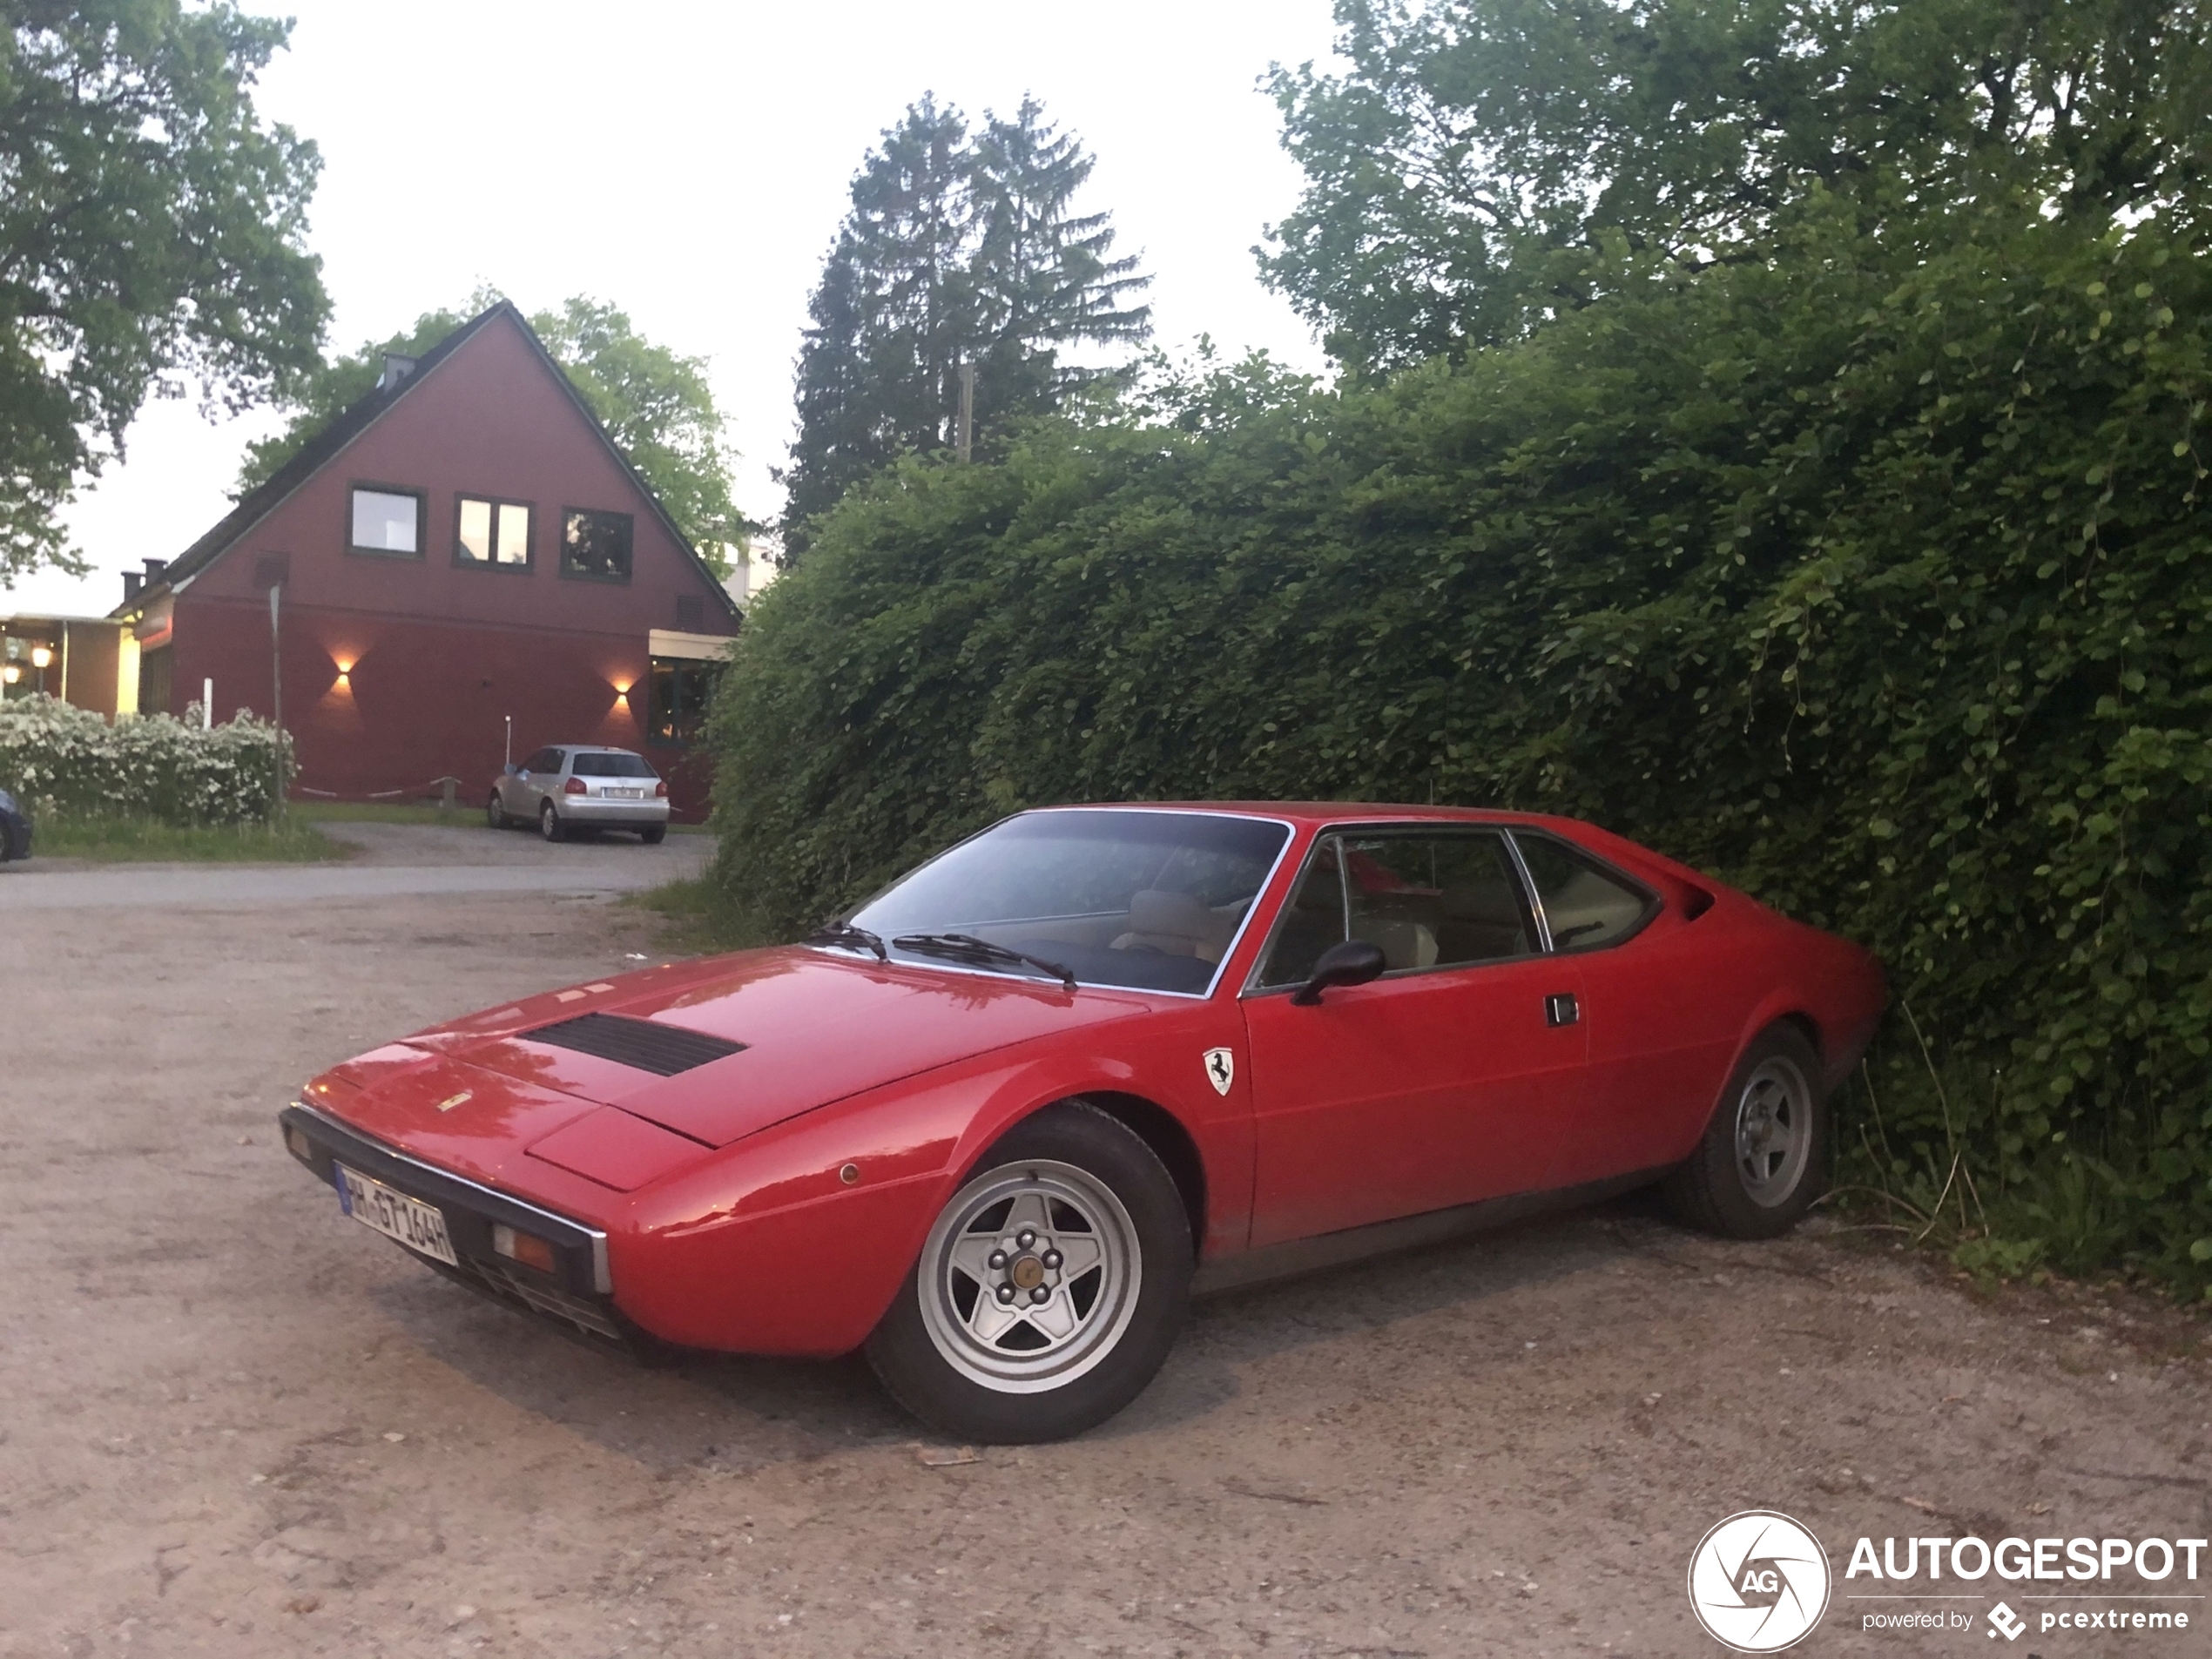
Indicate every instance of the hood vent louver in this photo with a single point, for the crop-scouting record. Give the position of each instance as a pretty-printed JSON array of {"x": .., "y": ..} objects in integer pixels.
[{"x": 645, "y": 1044}]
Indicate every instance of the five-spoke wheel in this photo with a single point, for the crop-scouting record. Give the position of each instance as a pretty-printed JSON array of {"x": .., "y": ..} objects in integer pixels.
[
  {"x": 1049, "y": 1289},
  {"x": 1764, "y": 1155}
]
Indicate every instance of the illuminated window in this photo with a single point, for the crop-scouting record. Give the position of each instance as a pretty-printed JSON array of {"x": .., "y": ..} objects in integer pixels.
[
  {"x": 682, "y": 689},
  {"x": 493, "y": 532},
  {"x": 387, "y": 520}
]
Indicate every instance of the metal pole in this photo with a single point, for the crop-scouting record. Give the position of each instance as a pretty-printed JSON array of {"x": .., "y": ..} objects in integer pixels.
[
  {"x": 967, "y": 439},
  {"x": 507, "y": 750},
  {"x": 207, "y": 702},
  {"x": 276, "y": 693}
]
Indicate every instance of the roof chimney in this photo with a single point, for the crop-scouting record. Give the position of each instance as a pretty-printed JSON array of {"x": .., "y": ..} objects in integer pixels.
[
  {"x": 154, "y": 567},
  {"x": 131, "y": 581},
  {"x": 397, "y": 367}
]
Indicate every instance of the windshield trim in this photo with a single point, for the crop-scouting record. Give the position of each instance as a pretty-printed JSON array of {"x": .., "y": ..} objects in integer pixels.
[{"x": 1244, "y": 925}]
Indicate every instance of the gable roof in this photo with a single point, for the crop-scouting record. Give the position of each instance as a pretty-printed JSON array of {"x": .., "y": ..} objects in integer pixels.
[{"x": 324, "y": 446}]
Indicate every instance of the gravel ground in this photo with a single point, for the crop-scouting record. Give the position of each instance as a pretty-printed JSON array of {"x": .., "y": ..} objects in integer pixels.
[{"x": 233, "y": 1423}]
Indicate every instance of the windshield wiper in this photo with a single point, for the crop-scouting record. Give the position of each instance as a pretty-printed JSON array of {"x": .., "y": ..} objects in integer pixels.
[
  {"x": 852, "y": 938},
  {"x": 980, "y": 950}
]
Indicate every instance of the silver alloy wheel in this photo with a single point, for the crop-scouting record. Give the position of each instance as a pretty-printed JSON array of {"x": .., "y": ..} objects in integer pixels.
[
  {"x": 1029, "y": 1276},
  {"x": 1773, "y": 1131}
]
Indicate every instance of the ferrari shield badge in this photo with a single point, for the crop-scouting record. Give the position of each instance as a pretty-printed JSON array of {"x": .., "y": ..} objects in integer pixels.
[{"x": 1221, "y": 1068}]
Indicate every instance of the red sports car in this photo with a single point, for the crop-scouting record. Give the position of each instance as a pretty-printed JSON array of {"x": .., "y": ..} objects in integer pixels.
[{"x": 999, "y": 1123}]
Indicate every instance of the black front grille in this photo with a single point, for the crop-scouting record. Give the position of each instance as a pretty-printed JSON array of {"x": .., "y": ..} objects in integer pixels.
[{"x": 646, "y": 1044}]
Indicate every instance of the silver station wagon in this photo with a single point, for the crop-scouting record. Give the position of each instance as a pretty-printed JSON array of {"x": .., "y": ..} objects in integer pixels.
[{"x": 569, "y": 788}]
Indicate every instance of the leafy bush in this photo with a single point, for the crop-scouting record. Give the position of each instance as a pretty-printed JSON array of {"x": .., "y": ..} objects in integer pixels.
[
  {"x": 68, "y": 760},
  {"x": 1885, "y": 595}
]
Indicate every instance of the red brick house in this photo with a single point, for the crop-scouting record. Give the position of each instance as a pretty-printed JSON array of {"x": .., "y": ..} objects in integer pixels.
[{"x": 463, "y": 547}]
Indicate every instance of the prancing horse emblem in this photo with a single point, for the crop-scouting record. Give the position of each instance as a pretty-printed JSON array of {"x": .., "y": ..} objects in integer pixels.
[{"x": 1221, "y": 1066}]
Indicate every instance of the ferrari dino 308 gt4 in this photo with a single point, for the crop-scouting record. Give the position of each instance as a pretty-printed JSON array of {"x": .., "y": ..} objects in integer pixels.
[{"x": 998, "y": 1124}]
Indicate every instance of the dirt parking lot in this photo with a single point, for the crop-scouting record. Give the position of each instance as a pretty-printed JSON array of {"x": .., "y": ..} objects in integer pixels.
[{"x": 232, "y": 1422}]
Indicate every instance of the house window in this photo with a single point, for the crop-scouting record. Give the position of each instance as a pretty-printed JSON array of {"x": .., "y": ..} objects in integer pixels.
[
  {"x": 596, "y": 545},
  {"x": 388, "y": 520},
  {"x": 683, "y": 687},
  {"x": 493, "y": 532}
]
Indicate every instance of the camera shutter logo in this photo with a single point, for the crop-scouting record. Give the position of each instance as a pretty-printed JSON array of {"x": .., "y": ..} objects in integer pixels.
[{"x": 1758, "y": 1582}]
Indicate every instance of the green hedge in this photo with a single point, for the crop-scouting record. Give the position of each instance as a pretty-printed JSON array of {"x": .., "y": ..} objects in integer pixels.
[{"x": 1888, "y": 597}]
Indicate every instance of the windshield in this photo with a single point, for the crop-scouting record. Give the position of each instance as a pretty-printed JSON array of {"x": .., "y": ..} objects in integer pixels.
[{"x": 1146, "y": 900}]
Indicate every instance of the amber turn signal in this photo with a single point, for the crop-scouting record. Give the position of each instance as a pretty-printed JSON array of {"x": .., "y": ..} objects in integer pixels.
[{"x": 526, "y": 1248}]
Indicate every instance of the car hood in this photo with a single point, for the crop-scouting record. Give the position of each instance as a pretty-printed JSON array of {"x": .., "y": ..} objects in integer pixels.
[{"x": 815, "y": 1027}]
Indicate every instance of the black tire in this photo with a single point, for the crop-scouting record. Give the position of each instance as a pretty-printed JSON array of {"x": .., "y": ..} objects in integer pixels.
[
  {"x": 1124, "y": 1351},
  {"x": 495, "y": 814},
  {"x": 549, "y": 825},
  {"x": 1774, "y": 1094},
  {"x": 654, "y": 836}
]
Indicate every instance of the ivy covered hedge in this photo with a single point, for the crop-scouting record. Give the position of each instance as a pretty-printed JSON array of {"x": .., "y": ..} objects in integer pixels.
[
  {"x": 64, "y": 760},
  {"x": 1887, "y": 596}
]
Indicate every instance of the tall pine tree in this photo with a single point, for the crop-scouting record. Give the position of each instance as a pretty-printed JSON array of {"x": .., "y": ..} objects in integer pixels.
[{"x": 960, "y": 248}]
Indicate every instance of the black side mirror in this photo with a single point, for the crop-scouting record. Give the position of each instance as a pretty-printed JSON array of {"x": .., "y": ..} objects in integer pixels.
[{"x": 1353, "y": 962}]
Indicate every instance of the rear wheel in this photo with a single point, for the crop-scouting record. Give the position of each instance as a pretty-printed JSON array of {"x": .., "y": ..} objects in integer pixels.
[
  {"x": 495, "y": 814},
  {"x": 1050, "y": 1289},
  {"x": 654, "y": 835},
  {"x": 549, "y": 825},
  {"x": 1764, "y": 1157}
]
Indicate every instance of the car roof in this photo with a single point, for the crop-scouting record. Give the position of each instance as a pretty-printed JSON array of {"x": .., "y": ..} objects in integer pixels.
[
  {"x": 594, "y": 748},
  {"x": 1304, "y": 813}
]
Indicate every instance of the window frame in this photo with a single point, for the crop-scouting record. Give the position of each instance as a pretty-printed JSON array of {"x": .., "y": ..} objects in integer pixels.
[
  {"x": 498, "y": 503},
  {"x": 422, "y": 520},
  {"x": 1653, "y": 902},
  {"x": 561, "y": 547},
  {"x": 677, "y": 666},
  {"x": 1531, "y": 911}
]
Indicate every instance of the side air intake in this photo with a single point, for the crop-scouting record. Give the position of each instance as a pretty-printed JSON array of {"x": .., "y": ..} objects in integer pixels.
[{"x": 646, "y": 1044}]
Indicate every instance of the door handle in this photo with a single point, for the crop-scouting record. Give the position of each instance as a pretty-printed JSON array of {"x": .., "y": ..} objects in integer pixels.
[{"x": 1561, "y": 1009}]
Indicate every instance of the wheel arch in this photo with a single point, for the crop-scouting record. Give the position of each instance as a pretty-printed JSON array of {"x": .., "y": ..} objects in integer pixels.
[{"x": 1163, "y": 1131}]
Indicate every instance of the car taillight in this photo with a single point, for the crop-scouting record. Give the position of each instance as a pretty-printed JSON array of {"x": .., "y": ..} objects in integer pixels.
[
  {"x": 526, "y": 1248},
  {"x": 573, "y": 786},
  {"x": 660, "y": 788}
]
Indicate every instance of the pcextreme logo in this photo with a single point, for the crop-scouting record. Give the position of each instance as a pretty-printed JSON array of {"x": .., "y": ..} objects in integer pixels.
[{"x": 1758, "y": 1582}]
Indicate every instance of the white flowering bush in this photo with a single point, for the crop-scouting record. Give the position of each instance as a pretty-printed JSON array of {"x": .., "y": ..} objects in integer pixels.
[{"x": 70, "y": 761}]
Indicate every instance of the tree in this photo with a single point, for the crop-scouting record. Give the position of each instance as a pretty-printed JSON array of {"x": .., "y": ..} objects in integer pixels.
[
  {"x": 1483, "y": 163},
  {"x": 152, "y": 233},
  {"x": 655, "y": 404},
  {"x": 960, "y": 249}
]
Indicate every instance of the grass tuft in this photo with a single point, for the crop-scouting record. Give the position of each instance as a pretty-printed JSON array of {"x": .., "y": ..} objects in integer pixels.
[{"x": 118, "y": 840}]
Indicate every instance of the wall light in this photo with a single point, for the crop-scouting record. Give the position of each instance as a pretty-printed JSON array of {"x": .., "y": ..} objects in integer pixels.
[
  {"x": 345, "y": 672},
  {"x": 621, "y": 693}
]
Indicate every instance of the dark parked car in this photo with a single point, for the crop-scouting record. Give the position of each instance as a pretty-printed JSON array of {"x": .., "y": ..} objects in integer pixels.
[{"x": 14, "y": 829}]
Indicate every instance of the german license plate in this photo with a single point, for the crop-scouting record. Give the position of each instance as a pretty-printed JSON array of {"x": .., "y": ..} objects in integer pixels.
[
  {"x": 418, "y": 1226},
  {"x": 624, "y": 794}
]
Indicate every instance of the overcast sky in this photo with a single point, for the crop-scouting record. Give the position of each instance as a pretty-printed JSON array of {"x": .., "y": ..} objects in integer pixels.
[{"x": 689, "y": 162}]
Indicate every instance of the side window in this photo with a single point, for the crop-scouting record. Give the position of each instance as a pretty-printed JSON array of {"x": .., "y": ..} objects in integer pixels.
[
  {"x": 543, "y": 760},
  {"x": 1430, "y": 899},
  {"x": 1585, "y": 906}
]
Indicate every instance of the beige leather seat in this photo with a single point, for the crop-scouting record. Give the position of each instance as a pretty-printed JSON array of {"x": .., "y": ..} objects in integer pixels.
[{"x": 1176, "y": 924}]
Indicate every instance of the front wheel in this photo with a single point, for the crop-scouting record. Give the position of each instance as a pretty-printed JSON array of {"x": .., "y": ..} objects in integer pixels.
[
  {"x": 1050, "y": 1289},
  {"x": 1764, "y": 1157},
  {"x": 495, "y": 814}
]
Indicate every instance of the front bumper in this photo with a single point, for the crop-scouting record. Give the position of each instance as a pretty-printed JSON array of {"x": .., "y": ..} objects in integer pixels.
[{"x": 577, "y": 1295}]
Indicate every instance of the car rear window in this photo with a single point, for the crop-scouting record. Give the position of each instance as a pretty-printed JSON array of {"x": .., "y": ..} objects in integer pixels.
[{"x": 611, "y": 765}]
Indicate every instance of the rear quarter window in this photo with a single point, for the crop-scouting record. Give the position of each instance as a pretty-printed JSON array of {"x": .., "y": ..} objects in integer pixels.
[{"x": 1586, "y": 904}]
